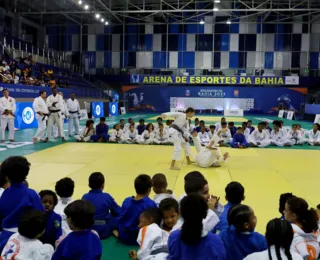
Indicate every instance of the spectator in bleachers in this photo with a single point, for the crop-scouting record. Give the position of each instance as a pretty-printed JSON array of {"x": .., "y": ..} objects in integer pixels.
[
  {"x": 52, "y": 81},
  {"x": 13, "y": 66}
]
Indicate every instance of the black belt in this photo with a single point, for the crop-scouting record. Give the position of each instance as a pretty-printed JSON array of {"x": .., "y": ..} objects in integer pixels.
[
  {"x": 177, "y": 128},
  {"x": 44, "y": 115},
  {"x": 163, "y": 249},
  {"x": 54, "y": 111},
  {"x": 73, "y": 112}
]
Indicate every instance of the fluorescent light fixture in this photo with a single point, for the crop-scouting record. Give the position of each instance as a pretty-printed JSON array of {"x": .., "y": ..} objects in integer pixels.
[
  {"x": 86, "y": 7},
  {"x": 201, "y": 22},
  {"x": 217, "y": 1},
  {"x": 106, "y": 23},
  {"x": 228, "y": 22},
  {"x": 216, "y": 9},
  {"x": 102, "y": 20},
  {"x": 80, "y": 2},
  {"x": 97, "y": 16}
]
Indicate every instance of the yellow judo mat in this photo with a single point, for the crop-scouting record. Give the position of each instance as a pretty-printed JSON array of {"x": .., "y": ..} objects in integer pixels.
[{"x": 265, "y": 173}]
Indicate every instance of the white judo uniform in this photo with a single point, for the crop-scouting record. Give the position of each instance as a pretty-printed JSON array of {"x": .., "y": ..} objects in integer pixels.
[
  {"x": 305, "y": 244},
  {"x": 225, "y": 136},
  {"x": 73, "y": 108},
  {"x": 116, "y": 134},
  {"x": 85, "y": 134},
  {"x": 64, "y": 115},
  {"x": 177, "y": 137},
  {"x": 313, "y": 137},
  {"x": 295, "y": 137},
  {"x": 59, "y": 209},
  {"x": 204, "y": 138},
  {"x": 161, "y": 137},
  {"x": 21, "y": 248},
  {"x": 205, "y": 157},
  {"x": 55, "y": 114},
  {"x": 147, "y": 137},
  {"x": 153, "y": 243},
  {"x": 261, "y": 139},
  {"x": 247, "y": 134},
  {"x": 7, "y": 120},
  {"x": 130, "y": 137},
  {"x": 40, "y": 106},
  {"x": 264, "y": 255},
  {"x": 159, "y": 197},
  {"x": 279, "y": 138}
]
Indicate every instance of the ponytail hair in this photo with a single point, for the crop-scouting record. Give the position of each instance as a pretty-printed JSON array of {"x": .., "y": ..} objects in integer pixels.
[
  {"x": 193, "y": 209},
  {"x": 239, "y": 215},
  {"x": 308, "y": 218},
  {"x": 280, "y": 235}
]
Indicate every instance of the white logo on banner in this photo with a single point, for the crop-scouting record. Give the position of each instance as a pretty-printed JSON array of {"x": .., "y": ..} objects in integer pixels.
[
  {"x": 281, "y": 112},
  {"x": 28, "y": 115},
  {"x": 98, "y": 110},
  {"x": 292, "y": 80},
  {"x": 113, "y": 109}
]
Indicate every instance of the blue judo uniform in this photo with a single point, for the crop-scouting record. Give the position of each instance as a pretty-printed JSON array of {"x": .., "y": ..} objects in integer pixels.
[
  {"x": 141, "y": 129},
  {"x": 107, "y": 211},
  {"x": 80, "y": 245},
  {"x": 101, "y": 132},
  {"x": 233, "y": 130},
  {"x": 223, "y": 224},
  {"x": 239, "y": 139},
  {"x": 209, "y": 247},
  {"x": 129, "y": 218},
  {"x": 14, "y": 202},
  {"x": 53, "y": 229},
  {"x": 239, "y": 245}
]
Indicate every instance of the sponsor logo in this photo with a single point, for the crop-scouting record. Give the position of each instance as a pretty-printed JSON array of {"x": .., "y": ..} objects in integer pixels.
[
  {"x": 98, "y": 110},
  {"x": 113, "y": 109},
  {"x": 28, "y": 115}
]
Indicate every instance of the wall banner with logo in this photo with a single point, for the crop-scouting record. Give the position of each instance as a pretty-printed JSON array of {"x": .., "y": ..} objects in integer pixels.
[
  {"x": 25, "y": 116},
  {"x": 113, "y": 108},
  {"x": 97, "y": 109}
]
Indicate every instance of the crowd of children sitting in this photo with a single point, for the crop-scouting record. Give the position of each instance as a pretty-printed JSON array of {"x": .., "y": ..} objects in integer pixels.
[
  {"x": 195, "y": 227},
  {"x": 222, "y": 133}
]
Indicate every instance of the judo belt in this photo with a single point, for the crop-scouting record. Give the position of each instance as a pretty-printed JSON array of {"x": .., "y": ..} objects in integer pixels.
[
  {"x": 177, "y": 128},
  {"x": 45, "y": 116},
  {"x": 100, "y": 222},
  {"x": 73, "y": 112},
  {"x": 54, "y": 111},
  {"x": 160, "y": 250}
]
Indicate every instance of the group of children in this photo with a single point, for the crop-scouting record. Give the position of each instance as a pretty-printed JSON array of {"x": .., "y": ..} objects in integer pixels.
[
  {"x": 196, "y": 226},
  {"x": 225, "y": 134}
]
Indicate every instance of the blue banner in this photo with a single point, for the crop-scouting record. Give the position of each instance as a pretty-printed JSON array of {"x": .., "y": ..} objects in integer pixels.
[
  {"x": 263, "y": 99},
  {"x": 113, "y": 108},
  {"x": 97, "y": 109},
  {"x": 215, "y": 80},
  {"x": 25, "y": 116}
]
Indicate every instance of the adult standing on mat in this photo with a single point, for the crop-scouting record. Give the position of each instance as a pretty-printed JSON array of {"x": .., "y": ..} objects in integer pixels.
[
  {"x": 179, "y": 133},
  {"x": 7, "y": 110},
  {"x": 55, "y": 104},
  {"x": 40, "y": 107},
  {"x": 74, "y": 114}
]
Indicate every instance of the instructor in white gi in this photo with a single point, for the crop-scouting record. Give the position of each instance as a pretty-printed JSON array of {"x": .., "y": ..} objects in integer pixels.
[
  {"x": 7, "y": 110},
  {"x": 55, "y": 105},
  {"x": 179, "y": 133},
  {"x": 40, "y": 107},
  {"x": 74, "y": 114}
]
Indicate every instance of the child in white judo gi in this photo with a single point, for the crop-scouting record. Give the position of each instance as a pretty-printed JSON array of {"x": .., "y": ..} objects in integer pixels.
[
  {"x": 161, "y": 135},
  {"x": 279, "y": 137},
  {"x": 203, "y": 136},
  {"x": 159, "y": 186},
  {"x": 131, "y": 136},
  {"x": 224, "y": 134},
  {"x": 148, "y": 135},
  {"x": 210, "y": 156},
  {"x": 294, "y": 135},
  {"x": 314, "y": 136},
  {"x": 25, "y": 244},
  {"x": 179, "y": 132},
  {"x": 86, "y": 133},
  {"x": 152, "y": 239},
  {"x": 116, "y": 134},
  {"x": 259, "y": 137}
]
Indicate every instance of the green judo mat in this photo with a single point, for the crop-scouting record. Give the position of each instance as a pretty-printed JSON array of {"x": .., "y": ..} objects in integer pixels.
[{"x": 114, "y": 250}]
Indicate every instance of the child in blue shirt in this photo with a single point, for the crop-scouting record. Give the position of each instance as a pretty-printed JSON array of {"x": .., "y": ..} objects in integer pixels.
[
  {"x": 239, "y": 140},
  {"x": 16, "y": 199},
  {"x": 240, "y": 239},
  {"x": 53, "y": 220},
  {"x": 191, "y": 241},
  {"x": 102, "y": 130},
  {"x": 107, "y": 210},
  {"x": 141, "y": 127},
  {"x": 232, "y": 128},
  {"x": 4, "y": 183},
  {"x": 82, "y": 243},
  {"x": 234, "y": 196},
  {"x": 132, "y": 207}
]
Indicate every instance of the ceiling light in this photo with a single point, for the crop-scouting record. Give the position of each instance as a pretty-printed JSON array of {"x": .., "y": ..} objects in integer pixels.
[
  {"x": 97, "y": 16},
  {"x": 201, "y": 22},
  {"x": 228, "y": 22},
  {"x": 80, "y": 2},
  {"x": 216, "y": 9},
  {"x": 102, "y": 20},
  {"x": 106, "y": 23},
  {"x": 86, "y": 7},
  {"x": 217, "y": 1}
]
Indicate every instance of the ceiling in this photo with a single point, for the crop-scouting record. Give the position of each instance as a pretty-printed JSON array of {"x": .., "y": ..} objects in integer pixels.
[{"x": 47, "y": 12}]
